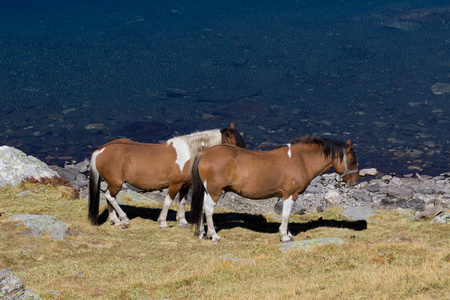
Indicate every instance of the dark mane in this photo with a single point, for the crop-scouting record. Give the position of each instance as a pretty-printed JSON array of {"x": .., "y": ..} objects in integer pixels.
[
  {"x": 237, "y": 136},
  {"x": 328, "y": 147}
]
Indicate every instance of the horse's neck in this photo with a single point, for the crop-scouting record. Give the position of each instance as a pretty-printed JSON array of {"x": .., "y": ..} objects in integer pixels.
[{"x": 314, "y": 159}]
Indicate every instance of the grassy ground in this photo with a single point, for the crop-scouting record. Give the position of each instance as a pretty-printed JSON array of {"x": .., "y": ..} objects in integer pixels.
[{"x": 393, "y": 258}]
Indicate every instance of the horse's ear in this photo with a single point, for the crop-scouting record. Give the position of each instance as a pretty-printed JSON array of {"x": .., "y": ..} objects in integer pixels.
[
  {"x": 231, "y": 125},
  {"x": 349, "y": 144}
]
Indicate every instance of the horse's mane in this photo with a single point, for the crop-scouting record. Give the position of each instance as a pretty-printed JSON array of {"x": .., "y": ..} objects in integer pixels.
[
  {"x": 328, "y": 147},
  {"x": 196, "y": 140},
  {"x": 237, "y": 137}
]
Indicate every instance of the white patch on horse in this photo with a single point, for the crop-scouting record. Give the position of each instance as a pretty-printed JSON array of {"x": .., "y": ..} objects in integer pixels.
[
  {"x": 289, "y": 151},
  {"x": 182, "y": 150},
  {"x": 100, "y": 151},
  {"x": 285, "y": 235}
]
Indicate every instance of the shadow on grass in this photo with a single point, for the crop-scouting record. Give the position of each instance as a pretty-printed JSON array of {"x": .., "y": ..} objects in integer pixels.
[
  {"x": 138, "y": 212},
  {"x": 256, "y": 223},
  {"x": 259, "y": 224}
]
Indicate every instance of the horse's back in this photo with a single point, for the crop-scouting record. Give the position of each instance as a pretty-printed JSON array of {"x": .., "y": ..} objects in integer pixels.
[
  {"x": 252, "y": 174},
  {"x": 145, "y": 166}
]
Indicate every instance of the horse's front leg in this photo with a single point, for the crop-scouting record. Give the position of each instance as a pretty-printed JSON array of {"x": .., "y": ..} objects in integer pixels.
[
  {"x": 285, "y": 235},
  {"x": 123, "y": 220},
  {"x": 209, "y": 210},
  {"x": 163, "y": 215}
]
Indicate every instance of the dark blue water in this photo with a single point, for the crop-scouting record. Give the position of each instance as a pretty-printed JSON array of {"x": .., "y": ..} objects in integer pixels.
[{"x": 76, "y": 74}]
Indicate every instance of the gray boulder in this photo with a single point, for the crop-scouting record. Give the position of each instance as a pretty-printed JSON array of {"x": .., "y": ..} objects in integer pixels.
[
  {"x": 12, "y": 288},
  {"x": 15, "y": 166},
  {"x": 400, "y": 193},
  {"x": 443, "y": 218},
  {"x": 430, "y": 212},
  {"x": 40, "y": 224}
]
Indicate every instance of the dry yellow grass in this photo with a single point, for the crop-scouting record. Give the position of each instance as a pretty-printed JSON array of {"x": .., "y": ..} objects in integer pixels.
[{"x": 394, "y": 258}]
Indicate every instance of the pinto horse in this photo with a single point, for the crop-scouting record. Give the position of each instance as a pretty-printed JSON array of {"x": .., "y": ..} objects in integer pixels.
[
  {"x": 283, "y": 172},
  {"x": 150, "y": 167}
]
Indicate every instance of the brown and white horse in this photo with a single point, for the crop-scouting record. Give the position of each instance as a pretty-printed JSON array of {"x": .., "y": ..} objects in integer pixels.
[
  {"x": 282, "y": 172},
  {"x": 150, "y": 167}
]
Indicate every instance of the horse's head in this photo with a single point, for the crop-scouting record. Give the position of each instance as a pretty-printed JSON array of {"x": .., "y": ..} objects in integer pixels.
[
  {"x": 347, "y": 167},
  {"x": 232, "y": 136}
]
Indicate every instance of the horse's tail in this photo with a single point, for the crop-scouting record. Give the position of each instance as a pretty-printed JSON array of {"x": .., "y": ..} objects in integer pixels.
[
  {"x": 94, "y": 189},
  {"x": 198, "y": 194}
]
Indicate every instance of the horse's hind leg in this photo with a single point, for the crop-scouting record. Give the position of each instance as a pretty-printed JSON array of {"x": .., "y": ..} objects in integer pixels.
[
  {"x": 124, "y": 222},
  {"x": 113, "y": 218},
  {"x": 209, "y": 206},
  {"x": 181, "y": 213}
]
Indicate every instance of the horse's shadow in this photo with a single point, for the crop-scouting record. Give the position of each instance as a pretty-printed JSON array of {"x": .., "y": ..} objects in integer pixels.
[
  {"x": 257, "y": 223},
  {"x": 138, "y": 212}
]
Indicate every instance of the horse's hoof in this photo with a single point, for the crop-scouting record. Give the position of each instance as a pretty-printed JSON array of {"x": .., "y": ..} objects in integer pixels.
[
  {"x": 187, "y": 226},
  {"x": 125, "y": 226},
  {"x": 287, "y": 241},
  {"x": 163, "y": 226}
]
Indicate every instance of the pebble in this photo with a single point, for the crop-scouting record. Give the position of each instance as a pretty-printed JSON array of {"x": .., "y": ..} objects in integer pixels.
[
  {"x": 368, "y": 172},
  {"x": 440, "y": 88}
]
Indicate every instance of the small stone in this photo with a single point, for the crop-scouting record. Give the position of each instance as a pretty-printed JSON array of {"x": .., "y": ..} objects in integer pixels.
[
  {"x": 386, "y": 177},
  {"x": 440, "y": 88},
  {"x": 416, "y": 204},
  {"x": 395, "y": 181},
  {"x": 362, "y": 196},
  {"x": 374, "y": 187},
  {"x": 332, "y": 196},
  {"x": 368, "y": 172},
  {"x": 398, "y": 192},
  {"x": 96, "y": 126},
  {"x": 443, "y": 218}
]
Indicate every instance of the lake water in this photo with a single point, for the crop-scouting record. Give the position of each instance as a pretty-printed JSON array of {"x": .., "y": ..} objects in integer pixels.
[{"x": 77, "y": 74}]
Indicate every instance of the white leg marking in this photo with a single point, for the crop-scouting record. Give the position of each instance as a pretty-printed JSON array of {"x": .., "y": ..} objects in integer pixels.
[
  {"x": 181, "y": 214},
  {"x": 182, "y": 150},
  {"x": 285, "y": 235},
  {"x": 163, "y": 215},
  {"x": 113, "y": 219},
  {"x": 209, "y": 210},
  {"x": 124, "y": 222}
]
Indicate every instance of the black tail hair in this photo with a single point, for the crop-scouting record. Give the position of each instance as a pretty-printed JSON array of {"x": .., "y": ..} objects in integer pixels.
[
  {"x": 94, "y": 192},
  {"x": 198, "y": 194}
]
